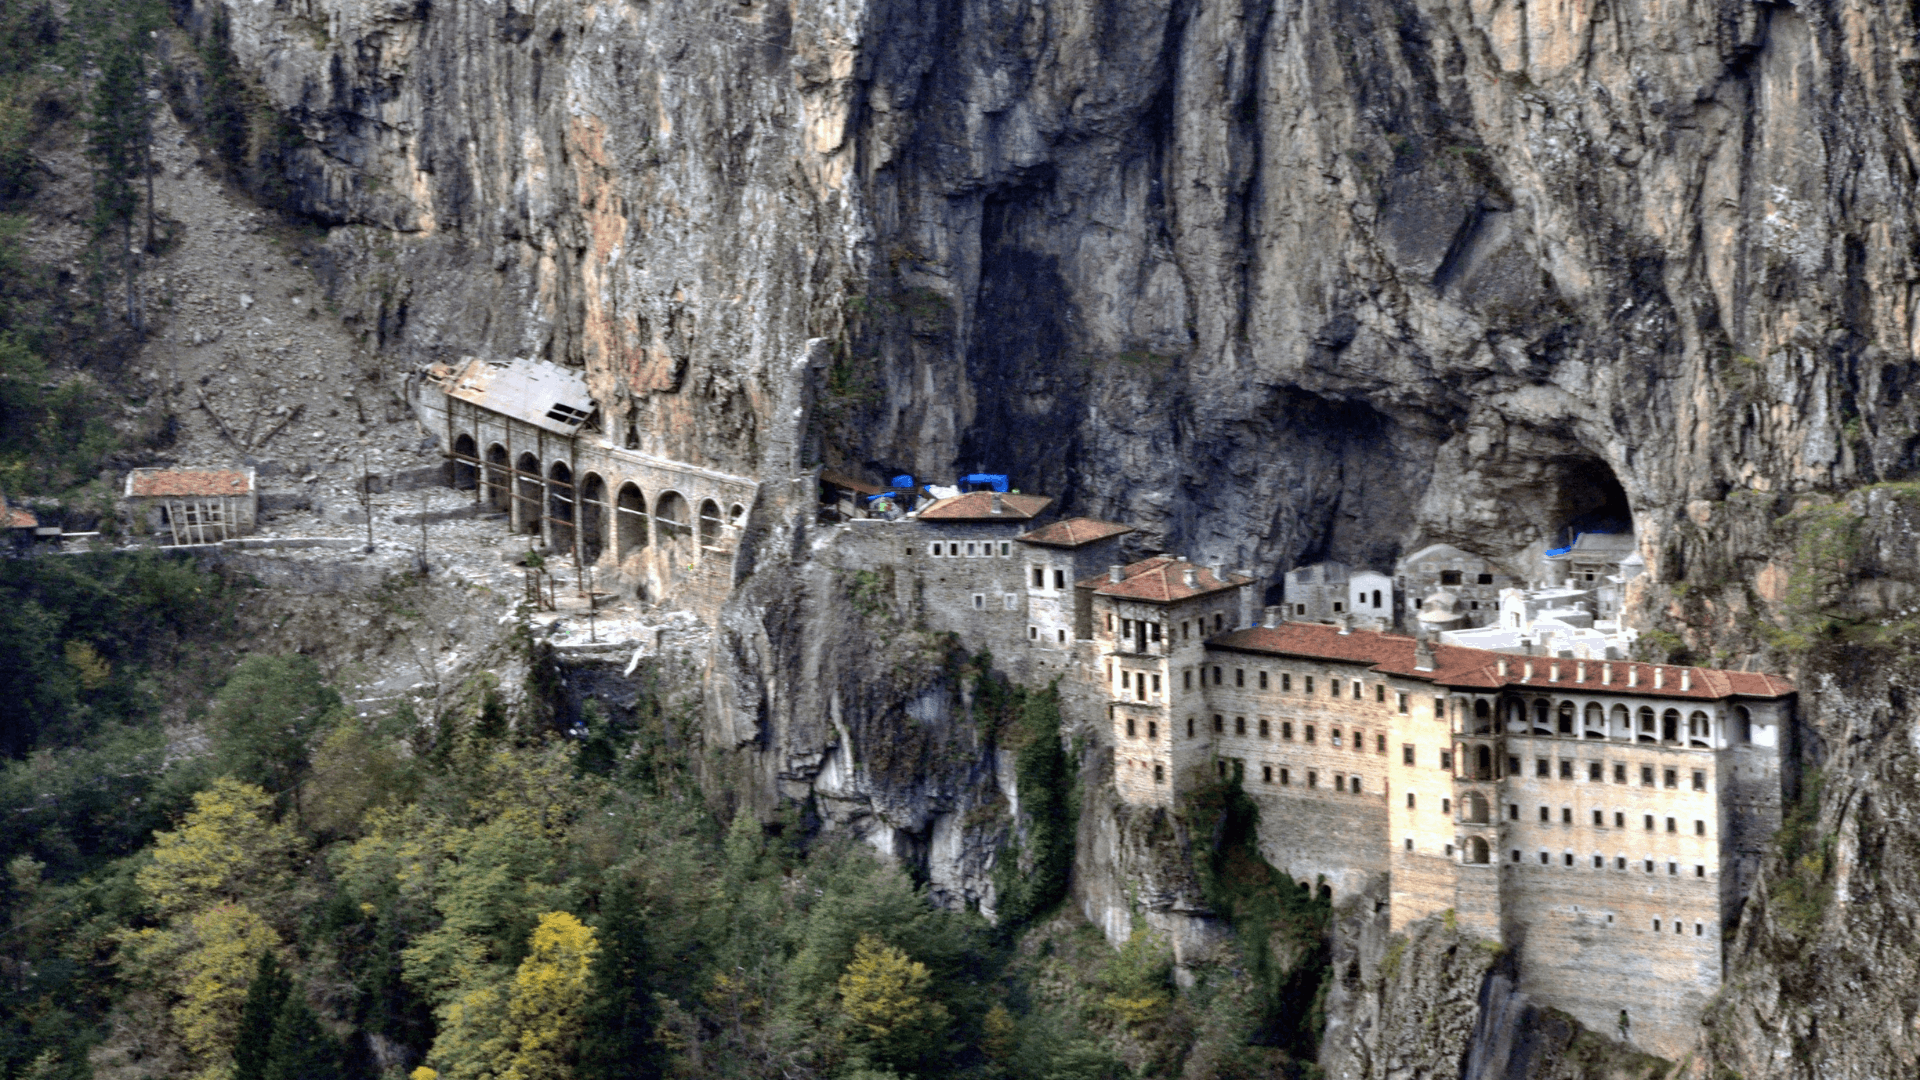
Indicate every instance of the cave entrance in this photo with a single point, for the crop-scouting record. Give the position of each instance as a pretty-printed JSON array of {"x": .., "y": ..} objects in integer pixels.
[{"x": 1591, "y": 531}]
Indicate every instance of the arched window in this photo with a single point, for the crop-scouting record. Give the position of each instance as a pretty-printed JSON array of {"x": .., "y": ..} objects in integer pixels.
[
  {"x": 593, "y": 516},
  {"x": 1482, "y": 717},
  {"x": 630, "y": 520},
  {"x": 497, "y": 490},
  {"x": 466, "y": 455},
  {"x": 1542, "y": 717},
  {"x": 1670, "y": 726},
  {"x": 1516, "y": 714},
  {"x": 1742, "y": 724},
  {"x": 1646, "y": 725},
  {"x": 710, "y": 525},
  {"x": 1699, "y": 730},
  {"x": 1483, "y": 764},
  {"x": 1477, "y": 851},
  {"x": 1475, "y": 806},
  {"x": 560, "y": 506},
  {"x": 1566, "y": 718},
  {"x": 1595, "y": 721},
  {"x": 527, "y": 497},
  {"x": 736, "y": 515},
  {"x": 1622, "y": 723}
]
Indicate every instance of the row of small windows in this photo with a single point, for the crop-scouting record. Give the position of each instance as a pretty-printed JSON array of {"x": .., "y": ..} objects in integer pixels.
[
  {"x": 1345, "y": 783},
  {"x": 1600, "y": 819},
  {"x": 1009, "y": 601},
  {"x": 1594, "y": 722},
  {"x": 1309, "y": 732},
  {"x": 957, "y": 549},
  {"x": 1647, "y": 864},
  {"x": 1336, "y": 687},
  {"x": 1033, "y": 634},
  {"x": 1040, "y": 578},
  {"x": 1596, "y": 773},
  {"x": 1151, "y": 628}
]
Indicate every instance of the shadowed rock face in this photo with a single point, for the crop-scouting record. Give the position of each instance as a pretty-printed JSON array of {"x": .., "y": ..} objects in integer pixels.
[{"x": 1319, "y": 278}]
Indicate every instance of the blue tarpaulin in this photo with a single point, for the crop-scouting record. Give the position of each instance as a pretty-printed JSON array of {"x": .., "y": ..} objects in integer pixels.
[{"x": 996, "y": 481}]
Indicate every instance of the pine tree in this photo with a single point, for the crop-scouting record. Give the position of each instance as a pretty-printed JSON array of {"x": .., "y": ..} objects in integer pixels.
[
  {"x": 252, "y": 1044},
  {"x": 616, "y": 1041},
  {"x": 116, "y": 141},
  {"x": 302, "y": 1049}
]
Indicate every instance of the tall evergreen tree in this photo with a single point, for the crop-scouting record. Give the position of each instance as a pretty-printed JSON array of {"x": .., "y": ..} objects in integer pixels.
[
  {"x": 252, "y": 1044},
  {"x": 616, "y": 1041},
  {"x": 302, "y": 1049},
  {"x": 116, "y": 142}
]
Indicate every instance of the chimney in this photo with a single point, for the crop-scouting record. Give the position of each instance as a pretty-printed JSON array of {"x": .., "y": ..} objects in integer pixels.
[
  {"x": 1115, "y": 573},
  {"x": 1553, "y": 672},
  {"x": 1190, "y": 577},
  {"x": 1527, "y": 672},
  {"x": 1633, "y": 675},
  {"x": 1422, "y": 655},
  {"x": 999, "y": 505},
  {"x": 1606, "y": 674},
  {"x": 1579, "y": 673},
  {"x": 1686, "y": 678},
  {"x": 1502, "y": 665},
  {"x": 1273, "y": 617},
  {"x": 1659, "y": 677},
  {"x": 1345, "y": 622}
]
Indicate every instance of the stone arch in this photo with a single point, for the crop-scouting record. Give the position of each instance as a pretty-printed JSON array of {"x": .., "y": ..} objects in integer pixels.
[
  {"x": 1622, "y": 726},
  {"x": 1542, "y": 716},
  {"x": 1647, "y": 733},
  {"x": 1482, "y": 717},
  {"x": 630, "y": 520},
  {"x": 593, "y": 517},
  {"x": 736, "y": 515},
  {"x": 560, "y": 506},
  {"x": 1483, "y": 763},
  {"x": 1699, "y": 730},
  {"x": 1477, "y": 851},
  {"x": 1742, "y": 724},
  {"x": 527, "y": 494},
  {"x": 673, "y": 528},
  {"x": 1670, "y": 726},
  {"x": 710, "y": 524},
  {"x": 1474, "y": 807},
  {"x": 498, "y": 493},
  {"x": 466, "y": 454},
  {"x": 1567, "y": 710},
  {"x": 1594, "y": 722}
]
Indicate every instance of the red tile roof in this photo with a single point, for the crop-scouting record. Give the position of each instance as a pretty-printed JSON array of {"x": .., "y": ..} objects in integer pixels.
[
  {"x": 1075, "y": 532},
  {"x": 1455, "y": 666},
  {"x": 1162, "y": 579},
  {"x": 202, "y": 482},
  {"x": 842, "y": 480},
  {"x": 17, "y": 517},
  {"x": 978, "y": 506}
]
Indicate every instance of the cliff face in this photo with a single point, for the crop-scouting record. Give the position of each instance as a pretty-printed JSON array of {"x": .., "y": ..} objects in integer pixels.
[{"x": 1271, "y": 281}]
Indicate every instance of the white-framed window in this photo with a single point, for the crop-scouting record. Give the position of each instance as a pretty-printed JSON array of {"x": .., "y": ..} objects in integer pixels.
[
  {"x": 1033, "y": 633},
  {"x": 970, "y": 547},
  {"x": 979, "y": 601},
  {"x": 1012, "y": 600},
  {"x": 937, "y": 549},
  {"x": 1006, "y": 549}
]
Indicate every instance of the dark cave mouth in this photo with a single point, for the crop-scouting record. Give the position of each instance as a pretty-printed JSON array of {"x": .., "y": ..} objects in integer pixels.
[{"x": 1587, "y": 497}]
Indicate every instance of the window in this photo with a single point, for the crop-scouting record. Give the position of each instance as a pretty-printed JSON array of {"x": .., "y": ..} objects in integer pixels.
[
  {"x": 1336, "y": 736},
  {"x": 1699, "y": 780},
  {"x": 1216, "y": 676},
  {"x": 1239, "y": 725},
  {"x": 1449, "y": 850},
  {"x": 1286, "y": 730},
  {"x": 1239, "y": 676},
  {"x": 1449, "y": 577},
  {"x": 1673, "y": 869},
  {"x": 1286, "y": 680},
  {"x": 1356, "y": 689},
  {"x": 1699, "y": 828},
  {"x": 1649, "y": 863},
  {"x": 1446, "y": 806},
  {"x": 1219, "y": 623},
  {"x": 1156, "y": 684},
  {"x": 1339, "y": 782},
  {"x": 1109, "y": 622},
  {"x": 1619, "y": 773},
  {"x": 1263, "y": 680},
  {"x": 1059, "y": 579},
  {"x": 1516, "y": 854},
  {"x": 1403, "y": 704},
  {"x": 1338, "y": 607},
  {"x": 1308, "y": 735},
  {"x": 1483, "y": 579},
  {"x": 1513, "y": 811},
  {"x": 1649, "y": 822},
  {"x": 1619, "y": 820},
  {"x": 1566, "y": 770},
  {"x": 1379, "y": 692},
  {"x": 1011, "y": 601},
  {"x": 1544, "y": 857},
  {"x": 979, "y": 601},
  {"x": 1670, "y": 825},
  {"x": 1599, "y": 862},
  {"x": 1283, "y": 778},
  {"x": 1376, "y": 598},
  {"x": 1184, "y": 633},
  {"x": 1159, "y": 774},
  {"x": 1126, "y": 681},
  {"x": 1672, "y": 777},
  {"x": 1446, "y": 760},
  {"x": 1593, "y": 772},
  {"x": 1219, "y": 724},
  {"x": 1409, "y": 800},
  {"x": 1189, "y": 727},
  {"x": 1699, "y": 930},
  {"x": 1569, "y": 858},
  {"x": 1333, "y": 687},
  {"x": 1039, "y": 578},
  {"x": 1186, "y": 679},
  {"x": 1620, "y": 862},
  {"x": 1264, "y": 728},
  {"x": 1153, "y": 729},
  {"x": 1540, "y": 768},
  {"x": 1656, "y": 924},
  {"x": 1599, "y": 820},
  {"x": 938, "y": 550},
  {"x": 1409, "y": 843},
  {"x": 1646, "y": 776},
  {"x": 1299, "y": 609},
  {"x": 1006, "y": 548},
  {"x": 1380, "y": 744},
  {"x": 970, "y": 547},
  {"x": 1308, "y": 685},
  {"x": 1566, "y": 815},
  {"x": 1439, "y": 708},
  {"x": 1699, "y": 870},
  {"x": 1266, "y": 773},
  {"x": 1033, "y": 633},
  {"x": 1546, "y": 814},
  {"x": 1129, "y": 727},
  {"x": 1513, "y": 766},
  {"x": 1313, "y": 779}
]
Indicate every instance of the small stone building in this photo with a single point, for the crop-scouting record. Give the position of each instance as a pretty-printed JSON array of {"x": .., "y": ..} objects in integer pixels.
[
  {"x": 1316, "y": 592},
  {"x": 192, "y": 506},
  {"x": 1057, "y": 557},
  {"x": 1474, "y": 580}
]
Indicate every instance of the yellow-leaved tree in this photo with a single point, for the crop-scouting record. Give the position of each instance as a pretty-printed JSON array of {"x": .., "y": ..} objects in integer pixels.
[
  {"x": 208, "y": 882},
  {"x": 527, "y": 1028},
  {"x": 886, "y": 997}
]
